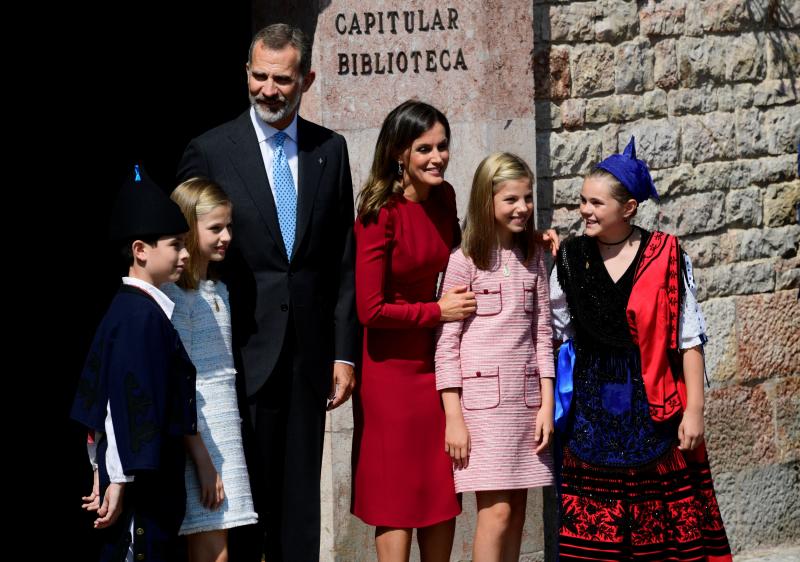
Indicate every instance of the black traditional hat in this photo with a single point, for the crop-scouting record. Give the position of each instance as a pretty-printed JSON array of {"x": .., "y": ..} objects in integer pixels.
[{"x": 142, "y": 209}]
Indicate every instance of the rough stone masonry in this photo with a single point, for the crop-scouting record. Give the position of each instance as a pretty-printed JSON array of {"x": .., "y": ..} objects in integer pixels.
[{"x": 710, "y": 90}]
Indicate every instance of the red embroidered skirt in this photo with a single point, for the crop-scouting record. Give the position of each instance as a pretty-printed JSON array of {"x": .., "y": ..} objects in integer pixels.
[{"x": 663, "y": 512}]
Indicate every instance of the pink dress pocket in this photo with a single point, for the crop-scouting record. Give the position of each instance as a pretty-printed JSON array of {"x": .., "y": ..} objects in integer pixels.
[
  {"x": 528, "y": 296},
  {"x": 533, "y": 393},
  {"x": 480, "y": 389},
  {"x": 489, "y": 298}
]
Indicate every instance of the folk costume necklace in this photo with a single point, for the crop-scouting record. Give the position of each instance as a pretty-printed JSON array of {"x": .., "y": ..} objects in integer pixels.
[
  {"x": 613, "y": 243},
  {"x": 617, "y": 243}
]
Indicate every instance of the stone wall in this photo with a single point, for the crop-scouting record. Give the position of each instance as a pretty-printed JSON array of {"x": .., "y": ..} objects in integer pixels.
[{"x": 710, "y": 90}]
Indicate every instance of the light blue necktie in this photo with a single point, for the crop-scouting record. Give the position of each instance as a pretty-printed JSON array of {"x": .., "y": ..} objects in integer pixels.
[{"x": 285, "y": 193}]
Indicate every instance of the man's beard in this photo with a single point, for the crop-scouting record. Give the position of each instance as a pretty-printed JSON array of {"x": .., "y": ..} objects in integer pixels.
[{"x": 283, "y": 112}]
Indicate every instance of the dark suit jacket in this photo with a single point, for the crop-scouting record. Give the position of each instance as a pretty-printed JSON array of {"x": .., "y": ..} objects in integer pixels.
[{"x": 317, "y": 287}]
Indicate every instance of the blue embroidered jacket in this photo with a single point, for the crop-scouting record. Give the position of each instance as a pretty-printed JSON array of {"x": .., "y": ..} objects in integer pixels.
[{"x": 137, "y": 363}]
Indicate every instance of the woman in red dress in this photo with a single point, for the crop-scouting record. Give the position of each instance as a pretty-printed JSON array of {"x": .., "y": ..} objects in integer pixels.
[{"x": 407, "y": 225}]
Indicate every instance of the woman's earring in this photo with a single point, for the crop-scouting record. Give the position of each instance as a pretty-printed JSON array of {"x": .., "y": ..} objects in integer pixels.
[{"x": 399, "y": 168}]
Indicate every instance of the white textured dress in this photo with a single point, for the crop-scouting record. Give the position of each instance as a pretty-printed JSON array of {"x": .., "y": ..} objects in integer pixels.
[{"x": 202, "y": 318}]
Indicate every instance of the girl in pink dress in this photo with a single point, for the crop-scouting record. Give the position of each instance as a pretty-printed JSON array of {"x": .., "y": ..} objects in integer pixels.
[{"x": 494, "y": 369}]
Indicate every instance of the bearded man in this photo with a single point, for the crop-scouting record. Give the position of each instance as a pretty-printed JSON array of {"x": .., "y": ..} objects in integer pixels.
[{"x": 289, "y": 271}]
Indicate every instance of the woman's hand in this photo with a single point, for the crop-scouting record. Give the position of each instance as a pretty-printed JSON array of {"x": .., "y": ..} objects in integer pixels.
[
  {"x": 212, "y": 492},
  {"x": 457, "y": 304},
  {"x": 692, "y": 427},
  {"x": 456, "y": 441},
  {"x": 109, "y": 512},
  {"x": 691, "y": 430},
  {"x": 456, "y": 434},
  {"x": 544, "y": 428},
  {"x": 549, "y": 239},
  {"x": 92, "y": 501}
]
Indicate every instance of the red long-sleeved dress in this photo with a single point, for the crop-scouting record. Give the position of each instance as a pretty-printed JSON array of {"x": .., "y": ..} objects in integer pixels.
[{"x": 402, "y": 476}]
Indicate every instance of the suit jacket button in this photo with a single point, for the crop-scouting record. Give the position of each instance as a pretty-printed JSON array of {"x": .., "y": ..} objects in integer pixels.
[
  {"x": 140, "y": 556},
  {"x": 284, "y": 307},
  {"x": 140, "y": 531}
]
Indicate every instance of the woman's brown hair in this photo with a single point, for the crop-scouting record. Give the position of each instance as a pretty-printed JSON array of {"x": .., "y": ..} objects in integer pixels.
[{"x": 404, "y": 124}]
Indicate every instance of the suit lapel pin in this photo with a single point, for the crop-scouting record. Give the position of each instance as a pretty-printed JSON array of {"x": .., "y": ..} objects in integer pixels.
[{"x": 320, "y": 160}]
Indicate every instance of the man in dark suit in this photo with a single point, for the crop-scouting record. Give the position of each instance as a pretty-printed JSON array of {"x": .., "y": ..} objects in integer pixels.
[{"x": 290, "y": 276}]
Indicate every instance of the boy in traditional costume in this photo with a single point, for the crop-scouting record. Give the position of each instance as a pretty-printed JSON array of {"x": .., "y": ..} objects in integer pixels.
[{"x": 136, "y": 392}]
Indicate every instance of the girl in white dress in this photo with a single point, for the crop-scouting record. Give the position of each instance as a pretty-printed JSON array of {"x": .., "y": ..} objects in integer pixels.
[{"x": 217, "y": 486}]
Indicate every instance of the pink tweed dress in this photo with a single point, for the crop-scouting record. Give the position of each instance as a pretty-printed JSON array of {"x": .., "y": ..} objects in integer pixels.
[{"x": 497, "y": 357}]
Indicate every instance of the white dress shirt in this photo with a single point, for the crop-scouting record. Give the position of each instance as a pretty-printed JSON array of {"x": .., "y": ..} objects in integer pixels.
[{"x": 266, "y": 143}]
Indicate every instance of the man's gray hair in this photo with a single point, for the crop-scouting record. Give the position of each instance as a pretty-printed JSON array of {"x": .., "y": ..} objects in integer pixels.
[{"x": 277, "y": 36}]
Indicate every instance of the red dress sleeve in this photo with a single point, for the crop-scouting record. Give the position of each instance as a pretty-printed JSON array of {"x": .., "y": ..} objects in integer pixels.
[{"x": 373, "y": 242}]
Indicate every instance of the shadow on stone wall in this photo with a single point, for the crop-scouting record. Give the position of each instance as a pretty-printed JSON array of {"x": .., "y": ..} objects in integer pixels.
[
  {"x": 548, "y": 83},
  {"x": 775, "y": 18}
]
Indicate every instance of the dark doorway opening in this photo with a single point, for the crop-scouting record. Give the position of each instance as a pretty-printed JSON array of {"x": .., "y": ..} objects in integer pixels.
[{"x": 128, "y": 83}]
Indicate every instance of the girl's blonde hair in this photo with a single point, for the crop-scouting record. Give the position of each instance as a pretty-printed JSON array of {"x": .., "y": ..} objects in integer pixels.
[
  {"x": 196, "y": 197},
  {"x": 480, "y": 237}
]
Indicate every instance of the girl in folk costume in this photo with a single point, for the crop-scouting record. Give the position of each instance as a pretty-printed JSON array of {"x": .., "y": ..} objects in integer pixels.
[
  {"x": 217, "y": 485},
  {"x": 495, "y": 369},
  {"x": 634, "y": 481}
]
